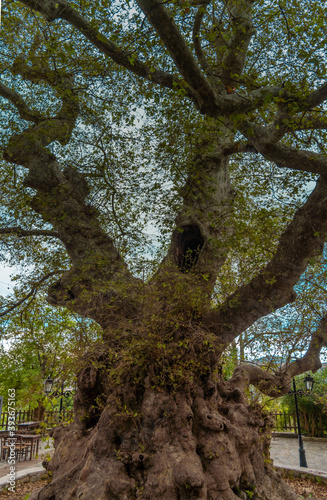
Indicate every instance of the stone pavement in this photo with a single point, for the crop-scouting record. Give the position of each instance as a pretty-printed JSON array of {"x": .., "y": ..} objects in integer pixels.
[
  {"x": 285, "y": 452},
  {"x": 26, "y": 467}
]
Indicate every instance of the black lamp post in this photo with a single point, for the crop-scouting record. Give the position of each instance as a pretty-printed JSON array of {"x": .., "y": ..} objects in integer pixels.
[
  {"x": 62, "y": 393},
  {"x": 309, "y": 385}
]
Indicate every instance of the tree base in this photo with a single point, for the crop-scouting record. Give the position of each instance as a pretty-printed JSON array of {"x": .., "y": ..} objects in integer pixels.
[{"x": 197, "y": 444}]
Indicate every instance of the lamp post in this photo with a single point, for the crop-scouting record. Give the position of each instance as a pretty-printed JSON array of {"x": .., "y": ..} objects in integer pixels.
[
  {"x": 309, "y": 385},
  {"x": 62, "y": 393}
]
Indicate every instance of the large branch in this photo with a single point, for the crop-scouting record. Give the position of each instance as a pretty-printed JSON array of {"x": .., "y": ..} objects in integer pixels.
[
  {"x": 99, "y": 284},
  {"x": 311, "y": 359},
  {"x": 316, "y": 98},
  {"x": 272, "y": 384},
  {"x": 239, "y": 103},
  {"x": 283, "y": 156},
  {"x": 23, "y": 109},
  {"x": 295, "y": 159},
  {"x": 63, "y": 85},
  {"x": 162, "y": 21},
  {"x": 272, "y": 288},
  {"x": 31, "y": 143}
]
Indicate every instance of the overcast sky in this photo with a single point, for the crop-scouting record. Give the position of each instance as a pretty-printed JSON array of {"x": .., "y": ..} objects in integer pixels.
[{"x": 5, "y": 281}]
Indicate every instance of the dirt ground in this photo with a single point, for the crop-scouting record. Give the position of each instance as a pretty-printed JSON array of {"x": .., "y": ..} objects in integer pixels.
[
  {"x": 303, "y": 487},
  {"x": 307, "y": 487},
  {"x": 23, "y": 491}
]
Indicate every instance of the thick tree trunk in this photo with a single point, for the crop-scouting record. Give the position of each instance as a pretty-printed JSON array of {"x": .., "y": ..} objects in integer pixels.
[{"x": 197, "y": 440}]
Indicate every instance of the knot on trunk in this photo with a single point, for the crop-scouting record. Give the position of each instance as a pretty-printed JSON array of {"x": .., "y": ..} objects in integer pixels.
[{"x": 209, "y": 419}]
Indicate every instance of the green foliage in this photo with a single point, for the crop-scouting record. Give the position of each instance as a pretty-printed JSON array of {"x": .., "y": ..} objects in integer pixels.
[
  {"x": 230, "y": 361},
  {"x": 37, "y": 344},
  {"x": 171, "y": 363}
]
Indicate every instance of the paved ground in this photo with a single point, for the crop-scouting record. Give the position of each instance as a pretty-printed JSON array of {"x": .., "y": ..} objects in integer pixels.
[
  {"x": 26, "y": 466},
  {"x": 285, "y": 452}
]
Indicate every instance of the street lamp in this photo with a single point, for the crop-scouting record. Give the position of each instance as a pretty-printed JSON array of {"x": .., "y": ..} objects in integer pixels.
[
  {"x": 309, "y": 381},
  {"x": 62, "y": 393},
  {"x": 48, "y": 386},
  {"x": 309, "y": 385}
]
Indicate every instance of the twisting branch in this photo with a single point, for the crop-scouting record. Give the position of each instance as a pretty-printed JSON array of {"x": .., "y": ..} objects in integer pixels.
[
  {"x": 33, "y": 290},
  {"x": 23, "y": 109},
  {"x": 21, "y": 232},
  {"x": 63, "y": 84},
  {"x": 272, "y": 384},
  {"x": 277, "y": 384},
  {"x": 99, "y": 277},
  {"x": 31, "y": 142},
  {"x": 311, "y": 360}
]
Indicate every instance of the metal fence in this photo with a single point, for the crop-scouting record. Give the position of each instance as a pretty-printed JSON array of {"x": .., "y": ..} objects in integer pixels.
[
  {"x": 284, "y": 422},
  {"x": 50, "y": 419},
  {"x": 312, "y": 425}
]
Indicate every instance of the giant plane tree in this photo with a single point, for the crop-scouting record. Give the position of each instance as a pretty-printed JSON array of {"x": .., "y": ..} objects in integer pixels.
[{"x": 164, "y": 176}]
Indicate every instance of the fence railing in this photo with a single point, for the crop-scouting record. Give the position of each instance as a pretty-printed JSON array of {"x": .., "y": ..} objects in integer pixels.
[
  {"x": 284, "y": 422},
  {"x": 311, "y": 424},
  {"x": 51, "y": 418}
]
